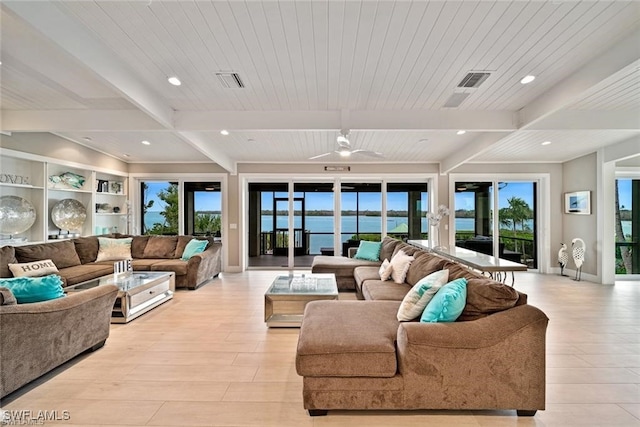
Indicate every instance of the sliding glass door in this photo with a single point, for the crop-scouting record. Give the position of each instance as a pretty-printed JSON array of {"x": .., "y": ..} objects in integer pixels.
[
  {"x": 627, "y": 226},
  {"x": 512, "y": 233}
]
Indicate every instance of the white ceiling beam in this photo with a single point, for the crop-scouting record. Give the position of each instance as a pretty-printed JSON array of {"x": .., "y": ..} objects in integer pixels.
[
  {"x": 203, "y": 144},
  {"x": 622, "y": 150},
  {"x": 357, "y": 120},
  {"x": 619, "y": 58},
  {"x": 76, "y": 40},
  {"x": 483, "y": 142},
  {"x": 590, "y": 120},
  {"x": 78, "y": 120}
]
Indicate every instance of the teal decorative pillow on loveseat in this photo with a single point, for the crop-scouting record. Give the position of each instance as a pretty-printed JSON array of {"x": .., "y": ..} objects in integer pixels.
[{"x": 34, "y": 289}]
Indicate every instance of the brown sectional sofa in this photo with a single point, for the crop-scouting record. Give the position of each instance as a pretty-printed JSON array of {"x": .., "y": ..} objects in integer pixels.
[
  {"x": 357, "y": 355},
  {"x": 36, "y": 338},
  {"x": 75, "y": 259}
]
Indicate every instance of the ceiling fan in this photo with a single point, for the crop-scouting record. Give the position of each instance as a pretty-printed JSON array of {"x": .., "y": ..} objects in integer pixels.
[{"x": 345, "y": 150}]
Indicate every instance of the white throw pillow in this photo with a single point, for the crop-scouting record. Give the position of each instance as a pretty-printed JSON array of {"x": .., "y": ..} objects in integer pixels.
[
  {"x": 33, "y": 269},
  {"x": 385, "y": 270},
  {"x": 113, "y": 249},
  {"x": 400, "y": 264},
  {"x": 419, "y": 296}
]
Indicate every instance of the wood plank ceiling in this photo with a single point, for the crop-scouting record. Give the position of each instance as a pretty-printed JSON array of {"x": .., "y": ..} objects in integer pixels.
[{"x": 383, "y": 69}]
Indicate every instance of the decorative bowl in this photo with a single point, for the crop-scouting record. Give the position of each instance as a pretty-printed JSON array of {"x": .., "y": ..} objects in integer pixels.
[
  {"x": 16, "y": 215},
  {"x": 69, "y": 214}
]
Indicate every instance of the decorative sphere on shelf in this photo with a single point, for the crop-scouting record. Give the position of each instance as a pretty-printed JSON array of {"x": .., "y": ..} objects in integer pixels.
[{"x": 16, "y": 215}]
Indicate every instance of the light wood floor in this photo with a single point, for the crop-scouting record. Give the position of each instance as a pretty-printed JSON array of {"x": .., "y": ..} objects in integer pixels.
[{"x": 207, "y": 359}]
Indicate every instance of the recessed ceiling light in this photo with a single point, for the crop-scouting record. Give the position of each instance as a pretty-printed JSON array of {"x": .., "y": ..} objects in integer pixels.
[
  {"x": 461, "y": 132},
  {"x": 174, "y": 81},
  {"x": 546, "y": 143},
  {"x": 527, "y": 79},
  {"x": 224, "y": 132},
  {"x": 145, "y": 142}
]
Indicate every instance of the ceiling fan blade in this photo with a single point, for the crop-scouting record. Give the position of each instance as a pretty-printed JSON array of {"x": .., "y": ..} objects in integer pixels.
[
  {"x": 368, "y": 153},
  {"x": 321, "y": 155}
]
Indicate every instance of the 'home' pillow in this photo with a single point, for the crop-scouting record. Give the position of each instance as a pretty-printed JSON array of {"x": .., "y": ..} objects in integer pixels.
[
  {"x": 114, "y": 249},
  {"x": 419, "y": 296},
  {"x": 34, "y": 289},
  {"x": 448, "y": 303},
  {"x": 33, "y": 269},
  {"x": 368, "y": 251}
]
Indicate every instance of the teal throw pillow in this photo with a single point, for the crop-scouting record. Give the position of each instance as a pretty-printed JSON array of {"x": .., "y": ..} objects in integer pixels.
[
  {"x": 369, "y": 251},
  {"x": 418, "y": 297},
  {"x": 194, "y": 247},
  {"x": 34, "y": 289},
  {"x": 448, "y": 302}
]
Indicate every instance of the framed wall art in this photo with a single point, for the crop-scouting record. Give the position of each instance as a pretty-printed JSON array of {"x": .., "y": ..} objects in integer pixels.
[{"x": 578, "y": 202}]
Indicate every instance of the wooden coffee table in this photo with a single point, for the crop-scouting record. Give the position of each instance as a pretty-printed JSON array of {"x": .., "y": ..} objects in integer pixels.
[{"x": 286, "y": 298}]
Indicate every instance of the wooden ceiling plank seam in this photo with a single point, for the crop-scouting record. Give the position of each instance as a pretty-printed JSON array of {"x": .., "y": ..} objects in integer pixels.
[
  {"x": 320, "y": 12},
  {"x": 295, "y": 48},
  {"x": 449, "y": 79},
  {"x": 351, "y": 21},
  {"x": 434, "y": 35},
  {"x": 255, "y": 43},
  {"x": 454, "y": 39},
  {"x": 335, "y": 48},
  {"x": 305, "y": 38},
  {"x": 366, "y": 25},
  {"x": 390, "y": 42},
  {"x": 494, "y": 58},
  {"x": 514, "y": 54},
  {"x": 252, "y": 67},
  {"x": 545, "y": 49},
  {"x": 273, "y": 25},
  {"x": 582, "y": 45},
  {"x": 409, "y": 30}
]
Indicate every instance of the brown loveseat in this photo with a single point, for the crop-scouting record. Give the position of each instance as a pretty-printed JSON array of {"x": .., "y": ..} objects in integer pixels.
[
  {"x": 357, "y": 355},
  {"x": 75, "y": 259},
  {"x": 36, "y": 338}
]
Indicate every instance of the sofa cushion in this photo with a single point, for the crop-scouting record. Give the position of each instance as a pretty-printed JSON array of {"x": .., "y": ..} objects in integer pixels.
[
  {"x": 177, "y": 265},
  {"x": 415, "y": 301},
  {"x": 87, "y": 248},
  {"x": 144, "y": 264},
  {"x": 447, "y": 304},
  {"x": 424, "y": 266},
  {"x": 363, "y": 273},
  {"x": 63, "y": 254},
  {"x": 407, "y": 249},
  {"x": 388, "y": 245},
  {"x": 8, "y": 256},
  {"x": 377, "y": 290},
  {"x": 34, "y": 289},
  {"x": 369, "y": 251},
  {"x": 138, "y": 244},
  {"x": 345, "y": 348},
  {"x": 82, "y": 273},
  {"x": 457, "y": 270},
  {"x": 485, "y": 297},
  {"x": 161, "y": 247},
  {"x": 113, "y": 249},
  {"x": 339, "y": 265},
  {"x": 181, "y": 244},
  {"x": 33, "y": 269}
]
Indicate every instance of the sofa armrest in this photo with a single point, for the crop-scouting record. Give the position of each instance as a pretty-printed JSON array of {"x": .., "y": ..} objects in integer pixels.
[
  {"x": 205, "y": 265},
  {"x": 351, "y": 252},
  {"x": 494, "y": 362},
  {"x": 40, "y": 336}
]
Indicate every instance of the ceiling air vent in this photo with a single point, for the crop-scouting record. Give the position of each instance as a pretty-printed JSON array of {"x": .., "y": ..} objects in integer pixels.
[
  {"x": 473, "y": 79},
  {"x": 230, "y": 80},
  {"x": 455, "y": 100}
]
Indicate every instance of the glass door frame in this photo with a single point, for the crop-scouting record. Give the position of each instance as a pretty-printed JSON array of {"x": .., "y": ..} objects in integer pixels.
[
  {"x": 542, "y": 218},
  {"x": 337, "y": 179}
]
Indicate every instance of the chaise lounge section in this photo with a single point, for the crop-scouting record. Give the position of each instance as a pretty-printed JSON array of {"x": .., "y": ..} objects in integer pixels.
[{"x": 357, "y": 355}]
